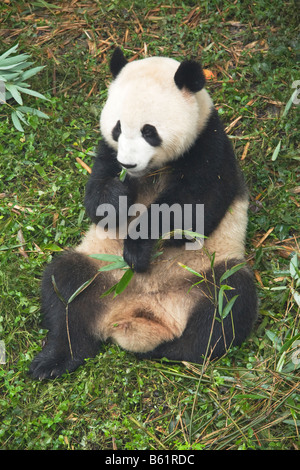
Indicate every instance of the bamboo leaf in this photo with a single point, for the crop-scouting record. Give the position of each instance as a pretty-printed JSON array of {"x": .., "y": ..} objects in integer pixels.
[
  {"x": 14, "y": 92},
  {"x": 281, "y": 362},
  {"x": 156, "y": 255},
  {"x": 296, "y": 296},
  {"x": 276, "y": 152},
  {"x": 31, "y": 92},
  {"x": 48, "y": 5},
  {"x": 221, "y": 298},
  {"x": 7, "y": 53},
  {"x": 21, "y": 66},
  {"x": 124, "y": 281},
  {"x": 123, "y": 174},
  {"x": 196, "y": 284},
  {"x": 8, "y": 76},
  {"x": 81, "y": 288},
  {"x": 31, "y": 72},
  {"x": 57, "y": 291},
  {"x": 11, "y": 66},
  {"x": 19, "y": 83},
  {"x": 274, "y": 338},
  {"x": 228, "y": 307},
  {"x": 231, "y": 271},
  {"x": 21, "y": 116},
  {"x": 112, "y": 266},
  {"x": 289, "y": 343},
  {"x": 109, "y": 291},
  {"x": 121, "y": 285},
  {"x": 16, "y": 122},
  {"x": 294, "y": 270},
  {"x": 107, "y": 257},
  {"x": 190, "y": 233},
  {"x": 192, "y": 271},
  {"x": 16, "y": 59},
  {"x": 33, "y": 111},
  {"x": 212, "y": 260},
  {"x": 289, "y": 103}
]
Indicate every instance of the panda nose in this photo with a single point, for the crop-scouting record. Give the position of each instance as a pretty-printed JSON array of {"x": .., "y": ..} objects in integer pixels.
[{"x": 128, "y": 166}]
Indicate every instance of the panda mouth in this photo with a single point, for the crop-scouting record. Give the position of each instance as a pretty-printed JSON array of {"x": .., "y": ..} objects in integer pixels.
[
  {"x": 133, "y": 171},
  {"x": 128, "y": 166},
  {"x": 137, "y": 173}
]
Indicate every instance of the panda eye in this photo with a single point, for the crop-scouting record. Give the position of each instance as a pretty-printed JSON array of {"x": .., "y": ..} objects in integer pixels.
[
  {"x": 150, "y": 135},
  {"x": 116, "y": 131}
]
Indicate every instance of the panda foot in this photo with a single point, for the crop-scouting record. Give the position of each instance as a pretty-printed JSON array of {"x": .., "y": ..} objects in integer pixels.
[{"x": 46, "y": 366}]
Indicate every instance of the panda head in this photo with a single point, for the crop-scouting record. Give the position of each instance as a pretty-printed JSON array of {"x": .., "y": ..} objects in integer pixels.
[{"x": 155, "y": 110}]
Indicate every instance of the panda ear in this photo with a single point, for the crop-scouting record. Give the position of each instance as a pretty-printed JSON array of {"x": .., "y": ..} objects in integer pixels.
[
  {"x": 190, "y": 75},
  {"x": 117, "y": 62}
]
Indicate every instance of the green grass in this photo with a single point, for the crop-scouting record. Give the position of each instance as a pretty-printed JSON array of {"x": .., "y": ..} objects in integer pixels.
[{"x": 248, "y": 399}]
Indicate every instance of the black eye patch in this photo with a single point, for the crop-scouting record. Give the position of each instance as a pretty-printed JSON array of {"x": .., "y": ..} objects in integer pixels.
[
  {"x": 150, "y": 135},
  {"x": 116, "y": 131}
]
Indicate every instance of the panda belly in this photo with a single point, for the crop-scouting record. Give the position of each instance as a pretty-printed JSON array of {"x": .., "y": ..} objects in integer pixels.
[{"x": 156, "y": 306}]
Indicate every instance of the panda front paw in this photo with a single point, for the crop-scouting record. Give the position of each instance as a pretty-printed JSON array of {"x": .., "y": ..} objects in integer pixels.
[
  {"x": 137, "y": 254},
  {"x": 97, "y": 198}
]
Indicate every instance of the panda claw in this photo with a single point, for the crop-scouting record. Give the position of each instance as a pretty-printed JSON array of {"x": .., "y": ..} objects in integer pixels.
[{"x": 43, "y": 368}]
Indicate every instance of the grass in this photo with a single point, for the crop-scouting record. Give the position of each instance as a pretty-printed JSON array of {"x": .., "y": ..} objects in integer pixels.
[{"x": 246, "y": 400}]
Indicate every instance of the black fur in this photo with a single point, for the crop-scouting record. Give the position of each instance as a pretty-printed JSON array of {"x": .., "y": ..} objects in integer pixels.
[
  {"x": 116, "y": 132},
  {"x": 190, "y": 75},
  {"x": 117, "y": 62},
  {"x": 151, "y": 136},
  {"x": 70, "y": 271},
  {"x": 214, "y": 336}
]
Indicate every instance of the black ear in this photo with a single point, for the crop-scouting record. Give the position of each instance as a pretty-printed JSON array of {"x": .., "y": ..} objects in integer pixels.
[
  {"x": 190, "y": 75},
  {"x": 117, "y": 62}
]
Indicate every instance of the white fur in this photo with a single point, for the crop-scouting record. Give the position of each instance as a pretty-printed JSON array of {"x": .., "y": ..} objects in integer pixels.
[
  {"x": 144, "y": 92},
  {"x": 156, "y": 305}
]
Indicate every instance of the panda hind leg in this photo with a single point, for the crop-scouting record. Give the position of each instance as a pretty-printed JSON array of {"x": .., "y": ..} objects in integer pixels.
[
  {"x": 206, "y": 335},
  {"x": 70, "y": 337}
]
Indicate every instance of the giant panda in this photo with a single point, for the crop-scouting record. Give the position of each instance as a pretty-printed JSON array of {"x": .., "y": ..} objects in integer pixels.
[{"x": 159, "y": 123}]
